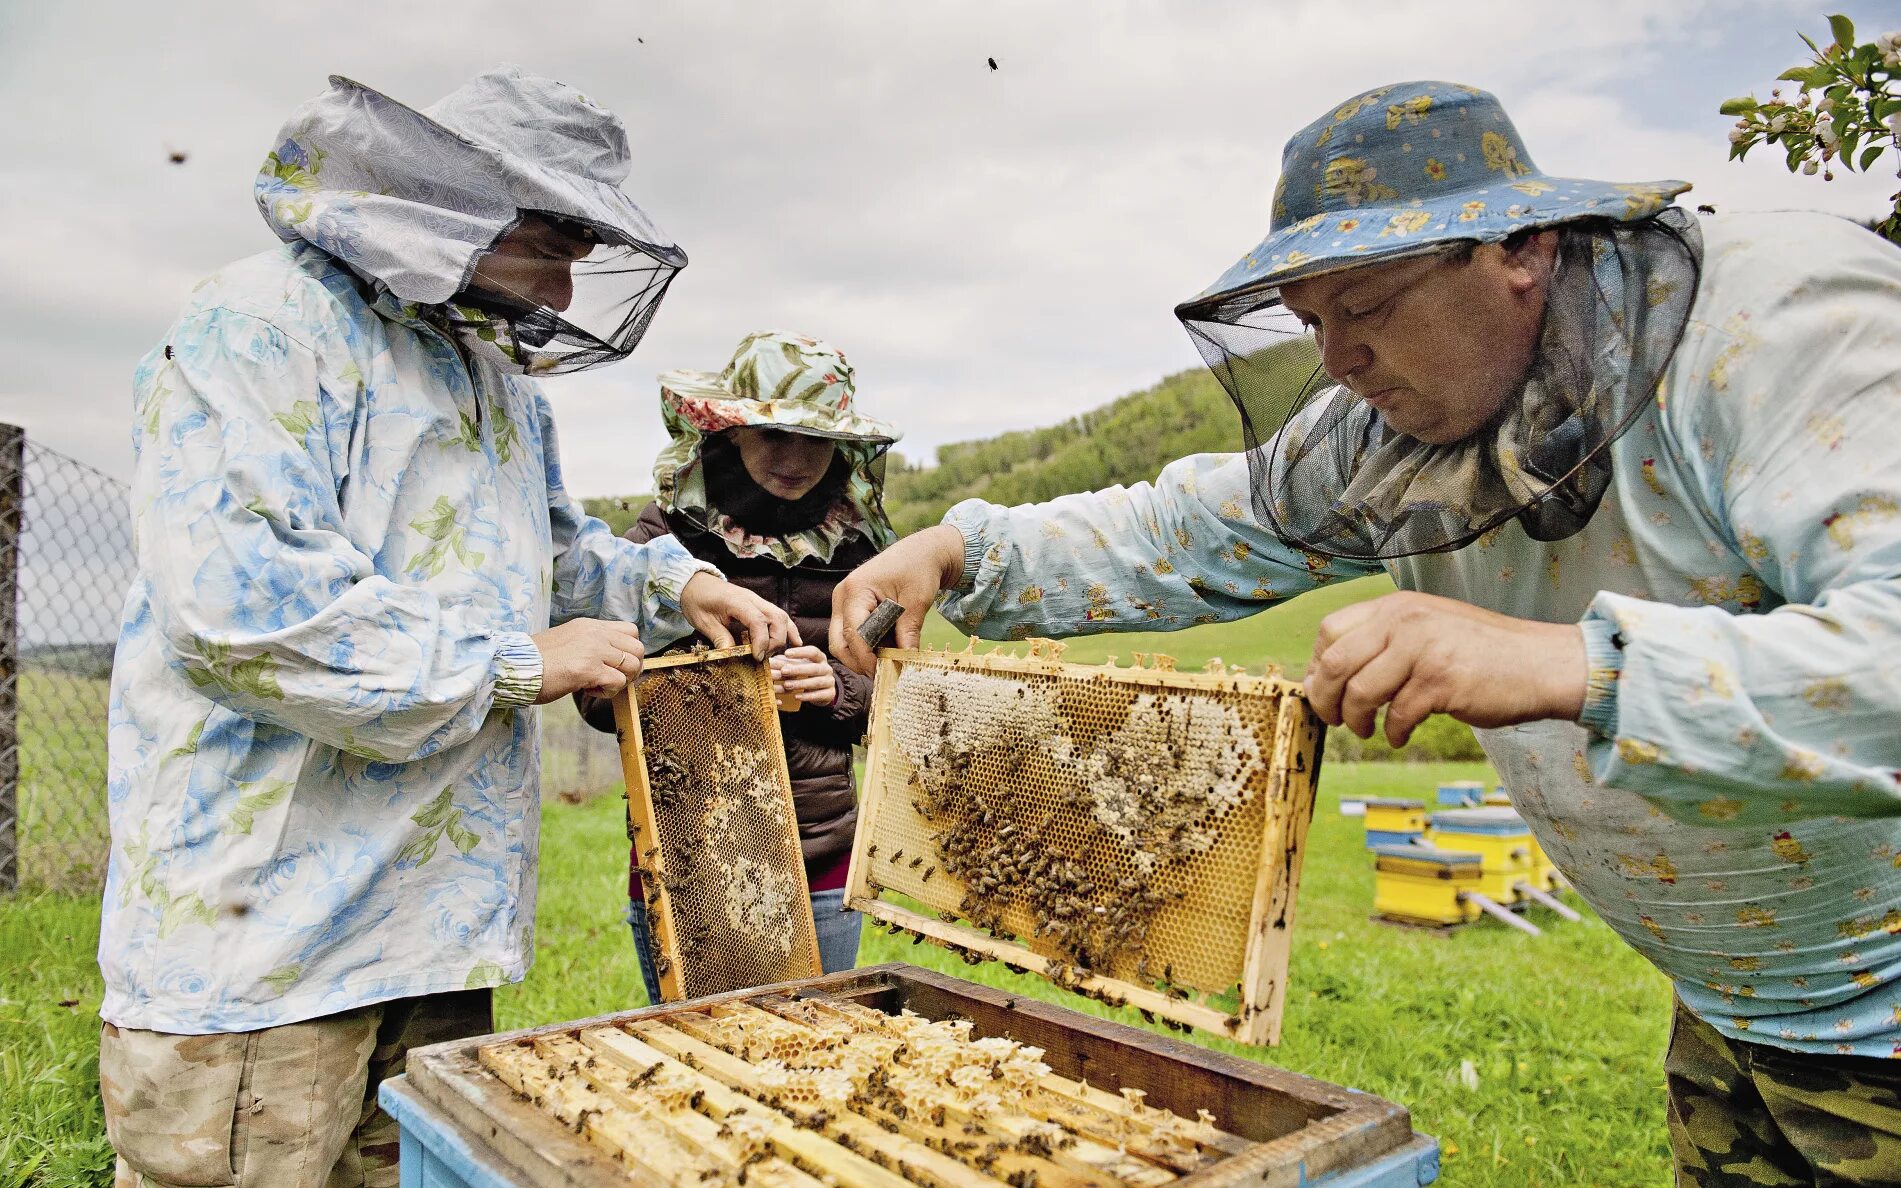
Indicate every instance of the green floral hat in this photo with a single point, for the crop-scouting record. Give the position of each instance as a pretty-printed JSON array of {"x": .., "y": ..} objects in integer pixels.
[{"x": 783, "y": 381}]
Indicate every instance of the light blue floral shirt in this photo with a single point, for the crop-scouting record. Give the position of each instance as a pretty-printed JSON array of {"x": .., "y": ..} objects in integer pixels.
[
  {"x": 1736, "y": 812},
  {"x": 324, "y": 758}
]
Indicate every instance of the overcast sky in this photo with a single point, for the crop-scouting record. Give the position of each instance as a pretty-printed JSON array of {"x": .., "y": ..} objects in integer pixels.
[{"x": 992, "y": 250}]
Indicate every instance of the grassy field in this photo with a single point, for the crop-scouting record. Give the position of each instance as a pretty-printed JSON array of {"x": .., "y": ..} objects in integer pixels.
[
  {"x": 1564, "y": 1033},
  {"x": 1282, "y": 636}
]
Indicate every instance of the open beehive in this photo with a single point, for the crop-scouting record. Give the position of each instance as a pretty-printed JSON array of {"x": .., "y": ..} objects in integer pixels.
[
  {"x": 710, "y": 811},
  {"x": 889, "y": 1076},
  {"x": 1131, "y": 833}
]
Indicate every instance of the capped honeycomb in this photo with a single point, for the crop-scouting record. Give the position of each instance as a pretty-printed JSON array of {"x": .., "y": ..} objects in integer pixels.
[
  {"x": 716, "y": 842},
  {"x": 1130, "y": 832},
  {"x": 809, "y": 1090}
]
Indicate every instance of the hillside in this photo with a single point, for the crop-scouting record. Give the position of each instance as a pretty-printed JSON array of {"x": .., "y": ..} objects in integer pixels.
[{"x": 1126, "y": 441}]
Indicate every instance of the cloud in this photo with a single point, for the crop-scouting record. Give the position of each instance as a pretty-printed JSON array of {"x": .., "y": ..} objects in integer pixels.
[{"x": 994, "y": 250}]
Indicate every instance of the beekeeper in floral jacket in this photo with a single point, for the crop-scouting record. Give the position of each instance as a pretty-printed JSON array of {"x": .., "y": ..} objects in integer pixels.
[
  {"x": 353, "y": 540},
  {"x": 1638, "y": 477}
]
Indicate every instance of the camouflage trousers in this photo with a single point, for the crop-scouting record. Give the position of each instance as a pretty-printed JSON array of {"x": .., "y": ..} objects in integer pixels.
[
  {"x": 285, "y": 1107},
  {"x": 1750, "y": 1114}
]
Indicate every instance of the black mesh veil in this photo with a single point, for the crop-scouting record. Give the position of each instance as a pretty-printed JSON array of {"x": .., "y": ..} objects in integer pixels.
[
  {"x": 616, "y": 289},
  {"x": 1329, "y": 476}
]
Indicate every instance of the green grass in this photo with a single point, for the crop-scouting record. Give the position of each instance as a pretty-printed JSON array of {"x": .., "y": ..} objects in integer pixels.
[
  {"x": 1565, "y": 1032},
  {"x": 1283, "y": 635},
  {"x": 51, "y": 1132},
  {"x": 62, "y": 832}
]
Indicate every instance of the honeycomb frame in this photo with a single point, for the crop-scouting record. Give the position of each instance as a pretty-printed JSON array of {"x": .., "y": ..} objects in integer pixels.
[
  {"x": 709, "y": 794},
  {"x": 1078, "y": 761}
]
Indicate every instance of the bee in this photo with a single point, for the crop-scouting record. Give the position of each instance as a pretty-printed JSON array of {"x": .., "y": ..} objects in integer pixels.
[
  {"x": 928, "y": 872},
  {"x": 871, "y": 851},
  {"x": 917, "y": 862},
  {"x": 897, "y": 855}
]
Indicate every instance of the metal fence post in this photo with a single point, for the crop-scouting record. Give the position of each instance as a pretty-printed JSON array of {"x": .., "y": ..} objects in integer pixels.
[{"x": 12, "y": 503}]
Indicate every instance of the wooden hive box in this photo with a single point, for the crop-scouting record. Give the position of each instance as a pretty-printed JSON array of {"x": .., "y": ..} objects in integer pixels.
[
  {"x": 716, "y": 841},
  {"x": 1134, "y": 834},
  {"x": 733, "y": 1088}
]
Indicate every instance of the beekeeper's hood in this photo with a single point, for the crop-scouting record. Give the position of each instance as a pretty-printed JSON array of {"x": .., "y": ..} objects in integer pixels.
[{"x": 412, "y": 201}]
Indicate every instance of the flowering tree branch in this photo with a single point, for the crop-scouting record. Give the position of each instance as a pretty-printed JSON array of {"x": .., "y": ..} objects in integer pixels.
[{"x": 1846, "y": 111}]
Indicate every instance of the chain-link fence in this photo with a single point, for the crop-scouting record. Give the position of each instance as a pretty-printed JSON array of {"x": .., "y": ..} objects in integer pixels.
[
  {"x": 66, "y": 562},
  {"x": 71, "y": 547}
]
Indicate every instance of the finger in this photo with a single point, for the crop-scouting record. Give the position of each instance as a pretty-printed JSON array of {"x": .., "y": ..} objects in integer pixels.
[
  {"x": 791, "y": 630},
  {"x": 1348, "y": 619},
  {"x": 819, "y": 697},
  {"x": 609, "y": 680},
  {"x": 758, "y": 629},
  {"x": 716, "y": 634},
  {"x": 1378, "y": 682},
  {"x": 910, "y": 630},
  {"x": 852, "y": 600},
  {"x": 1330, "y": 670},
  {"x": 1411, "y": 706},
  {"x": 813, "y": 682},
  {"x": 807, "y": 653}
]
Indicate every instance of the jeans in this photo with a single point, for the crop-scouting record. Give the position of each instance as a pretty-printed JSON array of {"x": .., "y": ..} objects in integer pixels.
[{"x": 837, "y": 936}]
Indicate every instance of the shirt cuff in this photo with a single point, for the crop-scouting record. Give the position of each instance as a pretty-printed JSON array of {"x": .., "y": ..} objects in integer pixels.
[
  {"x": 517, "y": 670},
  {"x": 1604, "y": 659},
  {"x": 974, "y": 549},
  {"x": 671, "y": 568}
]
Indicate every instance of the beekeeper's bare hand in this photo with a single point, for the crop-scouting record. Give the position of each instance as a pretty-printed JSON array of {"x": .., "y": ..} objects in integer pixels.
[
  {"x": 599, "y": 655},
  {"x": 913, "y": 573},
  {"x": 805, "y": 673},
  {"x": 720, "y": 611},
  {"x": 1419, "y": 654}
]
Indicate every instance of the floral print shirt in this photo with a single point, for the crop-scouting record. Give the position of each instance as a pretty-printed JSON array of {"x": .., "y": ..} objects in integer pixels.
[
  {"x": 323, "y": 753},
  {"x": 1736, "y": 812}
]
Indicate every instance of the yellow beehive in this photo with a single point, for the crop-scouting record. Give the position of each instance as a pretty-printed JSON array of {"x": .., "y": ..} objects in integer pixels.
[
  {"x": 1544, "y": 871},
  {"x": 1425, "y": 884},
  {"x": 1502, "y": 842},
  {"x": 1394, "y": 821}
]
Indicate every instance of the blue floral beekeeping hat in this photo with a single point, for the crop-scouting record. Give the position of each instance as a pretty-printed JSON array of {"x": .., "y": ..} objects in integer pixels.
[{"x": 1409, "y": 166}]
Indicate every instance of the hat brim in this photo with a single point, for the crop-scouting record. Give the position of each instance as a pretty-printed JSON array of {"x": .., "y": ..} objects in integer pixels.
[
  {"x": 702, "y": 401},
  {"x": 1342, "y": 240}
]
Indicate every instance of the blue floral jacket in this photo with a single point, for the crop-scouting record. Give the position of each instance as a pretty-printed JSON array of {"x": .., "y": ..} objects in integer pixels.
[{"x": 324, "y": 757}]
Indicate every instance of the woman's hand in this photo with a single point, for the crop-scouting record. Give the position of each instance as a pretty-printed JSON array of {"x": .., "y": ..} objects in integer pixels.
[{"x": 805, "y": 673}]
